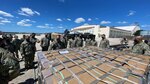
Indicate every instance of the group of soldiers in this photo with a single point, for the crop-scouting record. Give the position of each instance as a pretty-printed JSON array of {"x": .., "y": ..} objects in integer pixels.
[
  {"x": 9, "y": 57},
  {"x": 47, "y": 43},
  {"x": 62, "y": 42},
  {"x": 81, "y": 41},
  {"x": 9, "y": 47},
  {"x": 140, "y": 46}
]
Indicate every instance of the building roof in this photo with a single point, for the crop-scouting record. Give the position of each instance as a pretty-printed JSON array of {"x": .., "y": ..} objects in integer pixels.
[
  {"x": 84, "y": 27},
  {"x": 128, "y": 28}
]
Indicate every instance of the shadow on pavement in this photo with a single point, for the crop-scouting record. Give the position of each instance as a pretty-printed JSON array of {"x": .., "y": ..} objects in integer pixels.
[
  {"x": 22, "y": 70},
  {"x": 21, "y": 73},
  {"x": 29, "y": 81},
  {"x": 36, "y": 62},
  {"x": 35, "y": 67}
]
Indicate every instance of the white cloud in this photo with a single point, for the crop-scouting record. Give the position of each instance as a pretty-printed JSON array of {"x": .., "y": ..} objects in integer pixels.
[
  {"x": 60, "y": 27},
  {"x": 89, "y": 19},
  {"x": 105, "y": 22},
  {"x": 131, "y": 13},
  {"x": 37, "y": 12},
  {"x": 28, "y": 12},
  {"x": 145, "y": 25},
  {"x": 122, "y": 22},
  {"x": 4, "y": 20},
  {"x": 5, "y": 14},
  {"x": 68, "y": 19},
  {"x": 58, "y": 19},
  {"x": 79, "y": 20},
  {"x": 25, "y": 22},
  {"x": 45, "y": 26}
]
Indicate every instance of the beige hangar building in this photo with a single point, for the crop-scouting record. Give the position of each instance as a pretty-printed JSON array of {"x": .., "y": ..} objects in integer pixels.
[{"x": 110, "y": 32}]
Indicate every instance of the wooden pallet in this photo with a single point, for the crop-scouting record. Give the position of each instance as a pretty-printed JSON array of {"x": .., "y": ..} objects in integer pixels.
[{"x": 91, "y": 65}]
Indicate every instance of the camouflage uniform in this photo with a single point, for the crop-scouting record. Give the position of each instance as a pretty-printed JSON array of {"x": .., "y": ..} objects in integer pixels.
[
  {"x": 71, "y": 43},
  {"x": 27, "y": 51},
  {"x": 54, "y": 45},
  {"x": 33, "y": 42},
  {"x": 93, "y": 43},
  {"x": 16, "y": 43},
  {"x": 78, "y": 42},
  {"x": 44, "y": 44},
  {"x": 51, "y": 46},
  {"x": 64, "y": 42},
  {"x": 9, "y": 46},
  {"x": 88, "y": 42},
  {"x": 141, "y": 48},
  {"x": 22, "y": 40},
  {"x": 61, "y": 42},
  {"x": 104, "y": 43},
  {"x": 9, "y": 66},
  {"x": 124, "y": 41}
]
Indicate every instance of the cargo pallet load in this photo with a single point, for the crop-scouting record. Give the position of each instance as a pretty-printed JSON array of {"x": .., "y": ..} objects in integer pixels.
[{"x": 91, "y": 65}]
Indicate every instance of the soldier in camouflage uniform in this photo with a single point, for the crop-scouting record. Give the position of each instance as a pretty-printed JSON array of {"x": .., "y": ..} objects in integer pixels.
[
  {"x": 78, "y": 41},
  {"x": 54, "y": 45},
  {"x": 23, "y": 38},
  {"x": 64, "y": 42},
  {"x": 2, "y": 44},
  {"x": 88, "y": 41},
  {"x": 8, "y": 43},
  {"x": 16, "y": 42},
  {"x": 9, "y": 65},
  {"x": 71, "y": 43},
  {"x": 33, "y": 41},
  {"x": 140, "y": 47},
  {"x": 60, "y": 42},
  {"x": 93, "y": 42},
  {"x": 27, "y": 51},
  {"x": 45, "y": 43},
  {"x": 124, "y": 41},
  {"x": 51, "y": 46},
  {"x": 104, "y": 42}
]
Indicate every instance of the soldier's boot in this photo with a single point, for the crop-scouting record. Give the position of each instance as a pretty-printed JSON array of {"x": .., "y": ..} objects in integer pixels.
[
  {"x": 26, "y": 60},
  {"x": 26, "y": 66},
  {"x": 31, "y": 62}
]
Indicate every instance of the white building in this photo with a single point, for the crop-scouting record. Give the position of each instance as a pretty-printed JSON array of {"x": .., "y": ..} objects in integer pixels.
[
  {"x": 145, "y": 33},
  {"x": 93, "y": 29},
  {"x": 133, "y": 29},
  {"x": 110, "y": 32}
]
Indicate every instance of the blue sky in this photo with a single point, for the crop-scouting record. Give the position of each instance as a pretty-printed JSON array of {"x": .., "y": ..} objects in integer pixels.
[{"x": 58, "y": 15}]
